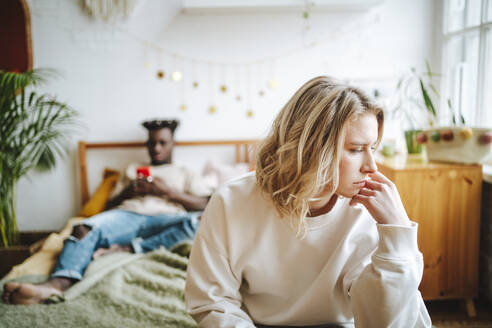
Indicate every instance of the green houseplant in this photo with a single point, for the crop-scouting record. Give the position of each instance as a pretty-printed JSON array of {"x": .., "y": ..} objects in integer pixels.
[
  {"x": 33, "y": 133},
  {"x": 457, "y": 143},
  {"x": 416, "y": 94}
]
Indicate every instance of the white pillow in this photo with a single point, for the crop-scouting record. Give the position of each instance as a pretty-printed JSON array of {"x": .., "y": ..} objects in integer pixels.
[{"x": 216, "y": 173}]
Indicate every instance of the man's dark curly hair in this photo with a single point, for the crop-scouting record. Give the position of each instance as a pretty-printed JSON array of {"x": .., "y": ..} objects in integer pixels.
[{"x": 161, "y": 124}]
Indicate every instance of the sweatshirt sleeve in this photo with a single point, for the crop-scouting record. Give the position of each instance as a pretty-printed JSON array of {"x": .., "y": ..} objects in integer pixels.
[
  {"x": 212, "y": 289},
  {"x": 385, "y": 293}
]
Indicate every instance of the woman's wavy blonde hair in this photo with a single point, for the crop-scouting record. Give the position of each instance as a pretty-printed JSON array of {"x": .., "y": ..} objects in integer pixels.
[{"x": 299, "y": 158}]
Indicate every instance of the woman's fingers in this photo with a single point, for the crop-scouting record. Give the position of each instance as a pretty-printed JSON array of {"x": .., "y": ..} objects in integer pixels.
[
  {"x": 360, "y": 199},
  {"x": 380, "y": 197},
  {"x": 379, "y": 177},
  {"x": 367, "y": 192},
  {"x": 374, "y": 185},
  {"x": 377, "y": 181}
]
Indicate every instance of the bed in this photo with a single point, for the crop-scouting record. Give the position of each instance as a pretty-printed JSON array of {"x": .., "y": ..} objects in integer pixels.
[{"x": 121, "y": 289}]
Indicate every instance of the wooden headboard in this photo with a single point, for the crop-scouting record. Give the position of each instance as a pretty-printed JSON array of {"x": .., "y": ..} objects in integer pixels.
[{"x": 243, "y": 151}]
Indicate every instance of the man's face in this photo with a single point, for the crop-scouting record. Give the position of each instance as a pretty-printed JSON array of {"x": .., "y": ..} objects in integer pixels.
[{"x": 160, "y": 146}]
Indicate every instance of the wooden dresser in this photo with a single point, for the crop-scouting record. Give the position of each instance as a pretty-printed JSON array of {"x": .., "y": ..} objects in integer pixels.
[{"x": 445, "y": 201}]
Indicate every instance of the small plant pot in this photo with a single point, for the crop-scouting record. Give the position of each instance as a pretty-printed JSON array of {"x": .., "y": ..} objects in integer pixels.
[
  {"x": 413, "y": 147},
  {"x": 12, "y": 256},
  {"x": 16, "y": 254},
  {"x": 466, "y": 145}
]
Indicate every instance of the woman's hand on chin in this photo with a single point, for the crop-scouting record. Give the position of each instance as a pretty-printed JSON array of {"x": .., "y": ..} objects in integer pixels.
[{"x": 380, "y": 197}]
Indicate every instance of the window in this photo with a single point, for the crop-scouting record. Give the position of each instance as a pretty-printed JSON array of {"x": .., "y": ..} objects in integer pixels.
[
  {"x": 487, "y": 85},
  {"x": 467, "y": 61}
]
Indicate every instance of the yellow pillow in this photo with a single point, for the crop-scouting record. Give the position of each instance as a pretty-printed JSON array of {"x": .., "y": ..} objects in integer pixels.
[{"x": 97, "y": 203}]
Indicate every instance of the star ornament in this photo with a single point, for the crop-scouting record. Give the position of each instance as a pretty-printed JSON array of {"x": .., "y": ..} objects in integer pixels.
[
  {"x": 183, "y": 107},
  {"x": 161, "y": 74},
  {"x": 250, "y": 113},
  {"x": 273, "y": 84},
  {"x": 223, "y": 88},
  {"x": 177, "y": 76},
  {"x": 212, "y": 109}
]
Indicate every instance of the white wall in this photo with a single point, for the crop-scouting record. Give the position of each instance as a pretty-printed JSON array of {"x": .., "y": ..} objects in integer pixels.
[{"x": 105, "y": 78}]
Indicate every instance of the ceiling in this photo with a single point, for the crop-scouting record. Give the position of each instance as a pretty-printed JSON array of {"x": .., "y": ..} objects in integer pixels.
[{"x": 256, "y": 6}]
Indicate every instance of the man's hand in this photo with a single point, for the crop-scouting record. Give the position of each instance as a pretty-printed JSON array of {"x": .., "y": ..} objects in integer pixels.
[
  {"x": 160, "y": 188},
  {"x": 143, "y": 186},
  {"x": 134, "y": 189},
  {"x": 380, "y": 196}
]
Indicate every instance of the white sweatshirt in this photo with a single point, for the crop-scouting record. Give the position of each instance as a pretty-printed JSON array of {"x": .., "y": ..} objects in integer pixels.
[{"x": 248, "y": 266}]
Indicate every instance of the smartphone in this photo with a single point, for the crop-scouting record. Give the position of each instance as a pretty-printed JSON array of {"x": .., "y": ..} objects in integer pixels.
[{"x": 143, "y": 171}]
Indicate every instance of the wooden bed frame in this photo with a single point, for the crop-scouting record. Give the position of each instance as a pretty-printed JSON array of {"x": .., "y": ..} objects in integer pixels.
[{"x": 243, "y": 154}]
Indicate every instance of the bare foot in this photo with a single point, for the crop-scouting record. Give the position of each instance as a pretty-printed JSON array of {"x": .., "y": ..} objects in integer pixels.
[
  {"x": 24, "y": 293},
  {"x": 112, "y": 249}
]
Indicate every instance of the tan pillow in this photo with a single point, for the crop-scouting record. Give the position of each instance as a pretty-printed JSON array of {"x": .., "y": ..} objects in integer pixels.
[{"x": 43, "y": 261}]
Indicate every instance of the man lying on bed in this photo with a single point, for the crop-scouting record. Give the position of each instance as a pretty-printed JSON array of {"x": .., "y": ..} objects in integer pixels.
[{"x": 146, "y": 212}]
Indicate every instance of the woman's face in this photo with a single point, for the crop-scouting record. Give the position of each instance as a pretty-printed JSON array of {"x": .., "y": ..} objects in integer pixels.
[{"x": 357, "y": 157}]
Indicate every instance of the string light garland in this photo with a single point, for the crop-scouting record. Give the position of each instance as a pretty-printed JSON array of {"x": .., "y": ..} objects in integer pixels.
[
  {"x": 195, "y": 83},
  {"x": 177, "y": 76},
  {"x": 249, "y": 111},
  {"x": 212, "y": 109},
  {"x": 183, "y": 107},
  {"x": 336, "y": 34},
  {"x": 263, "y": 84}
]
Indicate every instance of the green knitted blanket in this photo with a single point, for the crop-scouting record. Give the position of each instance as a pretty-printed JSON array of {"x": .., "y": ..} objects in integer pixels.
[{"x": 118, "y": 290}]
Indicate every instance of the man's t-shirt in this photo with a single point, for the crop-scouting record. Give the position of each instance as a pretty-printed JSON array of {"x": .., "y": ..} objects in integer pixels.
[{"x": 175, "y": 176}]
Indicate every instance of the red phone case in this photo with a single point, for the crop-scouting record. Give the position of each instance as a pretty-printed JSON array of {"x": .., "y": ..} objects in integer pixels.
[{"x": 144, "y": 171}]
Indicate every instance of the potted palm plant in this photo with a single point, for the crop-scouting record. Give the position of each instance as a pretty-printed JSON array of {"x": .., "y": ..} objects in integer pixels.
[{"x": 34, "y": 131}]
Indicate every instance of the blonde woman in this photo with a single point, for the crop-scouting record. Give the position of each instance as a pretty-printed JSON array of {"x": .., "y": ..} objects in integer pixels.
[{"x": 317, "y": 237}]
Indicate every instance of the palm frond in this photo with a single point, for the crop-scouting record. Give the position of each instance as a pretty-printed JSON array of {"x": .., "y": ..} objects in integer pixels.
[
  {"x": 427, "y": 100},
  {"x": 453, "y": 117},
  {"x": 429, "y": 71},
  {"x": 46, "y": 159},
  {"x": 433, "y": 88},
  {"x": 33, "y": 134},
  {"x": 398, "y": 85}
]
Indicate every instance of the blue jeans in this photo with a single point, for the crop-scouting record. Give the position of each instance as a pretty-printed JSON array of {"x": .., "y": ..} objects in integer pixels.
[{"x": 143, "y": 232}]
